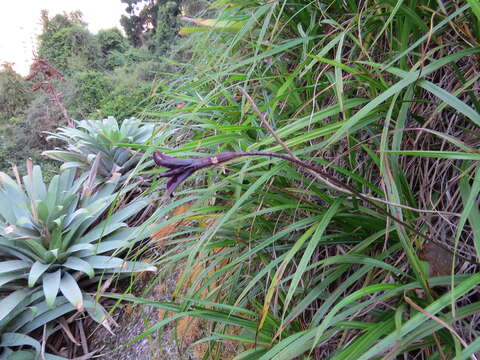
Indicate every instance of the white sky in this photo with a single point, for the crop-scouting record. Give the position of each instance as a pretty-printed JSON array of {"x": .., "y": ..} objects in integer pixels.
[{"x": 20, "y": 24}]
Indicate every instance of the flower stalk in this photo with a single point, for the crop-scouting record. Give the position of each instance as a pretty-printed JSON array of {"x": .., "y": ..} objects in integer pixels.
[{"x": 181, "y": 169}]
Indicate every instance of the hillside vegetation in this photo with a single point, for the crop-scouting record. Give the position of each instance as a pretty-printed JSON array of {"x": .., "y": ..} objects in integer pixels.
[{"x": 365, "y": 246}]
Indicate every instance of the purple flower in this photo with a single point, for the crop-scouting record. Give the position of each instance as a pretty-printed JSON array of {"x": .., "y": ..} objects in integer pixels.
[{"x": 181, "y": 169}]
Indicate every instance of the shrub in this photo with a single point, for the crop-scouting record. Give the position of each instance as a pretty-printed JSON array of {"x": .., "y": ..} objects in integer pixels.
[
  {"x": 20, "y": 140},
  {"x": 15, "y": 94},
  {"x": 67, "y": 44},
  {"x": 43, "y": 114},
  {"x": 115, "y": 59},
  {"x": 125, "y": 102},
  {"x": 111, "y": 40},
  {"x": 92, "y": 87}
]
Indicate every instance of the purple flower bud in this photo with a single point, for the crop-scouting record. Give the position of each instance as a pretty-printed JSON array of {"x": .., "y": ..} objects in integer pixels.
[{"x": 181, "y": 169}]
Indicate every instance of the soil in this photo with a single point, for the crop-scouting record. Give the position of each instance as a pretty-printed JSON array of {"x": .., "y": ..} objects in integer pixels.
[
  {"x": 132, "y": 321},
  {"x": 175, "y": 341}
]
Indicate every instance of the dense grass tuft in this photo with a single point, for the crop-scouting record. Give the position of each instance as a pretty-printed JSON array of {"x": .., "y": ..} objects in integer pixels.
[{"x": 383, "y": 96}]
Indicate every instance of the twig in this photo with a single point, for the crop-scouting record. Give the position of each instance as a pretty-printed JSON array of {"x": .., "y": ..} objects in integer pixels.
[
  {"x": 331, "y": 181},
  {"x": 438, "y": 320},
  {"x": 83, "y": 338}
]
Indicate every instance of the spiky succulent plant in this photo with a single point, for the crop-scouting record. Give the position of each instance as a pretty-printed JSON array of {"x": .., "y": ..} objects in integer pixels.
[
  {"x": 20, "y": 314},
  {"x": 57, "y": 236},
  {"x": 92, "y": 138}
]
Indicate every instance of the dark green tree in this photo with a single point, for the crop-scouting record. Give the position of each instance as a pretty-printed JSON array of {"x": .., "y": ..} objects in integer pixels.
[
  {"x": 92, "y": 87},
  {"x": 151, "y": 23},
  {"x": 15, "y": 94},
  {"x": 140, "y": 21},
  {"x": 66, "y": 43},
  {"x": 166, "y": 28},
  {"x": 113, "y": 46},
  {"x": 111, "y": 40}
]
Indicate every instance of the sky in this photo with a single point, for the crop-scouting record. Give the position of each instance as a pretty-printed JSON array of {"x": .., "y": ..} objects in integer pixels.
[{"x": 20, "y": 24}]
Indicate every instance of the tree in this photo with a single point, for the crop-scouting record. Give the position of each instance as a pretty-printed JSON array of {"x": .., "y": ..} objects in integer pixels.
[
  {"x": 66, "y": 43},
  {"x": 111, "y": 40},
  {"x": 151, "y": 23},
  {"x": 113, "y": 46},
  {"x": 141, "y": 20},
  {"x": 15, "y": 94},
  {"x": 166, "y": 28}
]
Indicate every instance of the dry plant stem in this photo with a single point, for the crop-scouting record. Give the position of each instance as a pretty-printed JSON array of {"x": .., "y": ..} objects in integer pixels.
[
  {"x": 63, "y": 324},
  {"x": 83, "y": 338},
  {"x": 44, "y": 342},
  {"x": 329, "y": 180},
  {"x": 49, "y": 73},
  {"x": 318, "y": 176},
  {"x": 284, "y": 146},
  {"x": 438, "y": 320}
]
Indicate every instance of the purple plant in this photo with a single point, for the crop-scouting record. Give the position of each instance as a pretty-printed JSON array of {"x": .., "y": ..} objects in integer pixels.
[{"x": 181, "y": 169}]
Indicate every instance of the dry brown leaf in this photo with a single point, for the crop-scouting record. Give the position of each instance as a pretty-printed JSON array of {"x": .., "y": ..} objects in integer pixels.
[
  {"x": 163, "y": 232},
  {"x": 439, "y": 259}
]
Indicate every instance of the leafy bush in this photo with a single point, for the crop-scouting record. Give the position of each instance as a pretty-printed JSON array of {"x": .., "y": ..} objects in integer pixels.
[
  {"x": 113, "y": 47},
  {"x": 21, "y": 140},
  {"x": 67, "y": 44},
  {"x": 43, "y": 114},
  {"x": 125, "y": 102},
  {"x": 111, "y": 40},
  {"x": 93, "y": 140},
  {"x": 290, "y": 266},
  {"x": 115, "y": 59},
  {"x": 15, "y": 94},
  {"x": 136, "y": 55},
  {"x": 58, "y": 236},
  {"x": 92, "y": 87},
  {"x": 127, "y": 60}
]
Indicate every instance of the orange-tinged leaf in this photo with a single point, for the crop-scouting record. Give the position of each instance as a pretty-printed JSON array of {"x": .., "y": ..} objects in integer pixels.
[{"x": 165, "y": 231}]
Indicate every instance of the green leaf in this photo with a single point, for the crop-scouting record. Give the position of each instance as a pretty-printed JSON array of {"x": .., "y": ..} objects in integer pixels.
[
  {"x": 419, "y": 318},
  {"x": 475, "y": 6},
  {"x": 76, "y": 263},
  {"x": 21, "y": 355},
  {"x": 115, "y": 264},
  {"x": 311, "y": 246},
  {"x": 470, "y": 209},
  {"x": 456, "y": 155},
  {"x": 9, "y": 277},
  {"x": 372, "y": 289},
  {"x": 13, "y": 265},
  {"x": 15, "y": 339},
  {"x": 408, "y": 79},
  {"x": 62, "y": 307},
  {"x": 10, "y": 302},
  {"x": 443, "y": 95},
  {"x": 71, "y": 291},
  {"x": 37, "y": 270},
  {"x": 467, "y": 193},
  {"x": 97, "y": 312},
  {"x": 51, "y": 284}
]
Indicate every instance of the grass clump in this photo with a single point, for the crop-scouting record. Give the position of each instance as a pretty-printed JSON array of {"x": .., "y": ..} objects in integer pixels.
[{"x": 382, "y": 97}]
